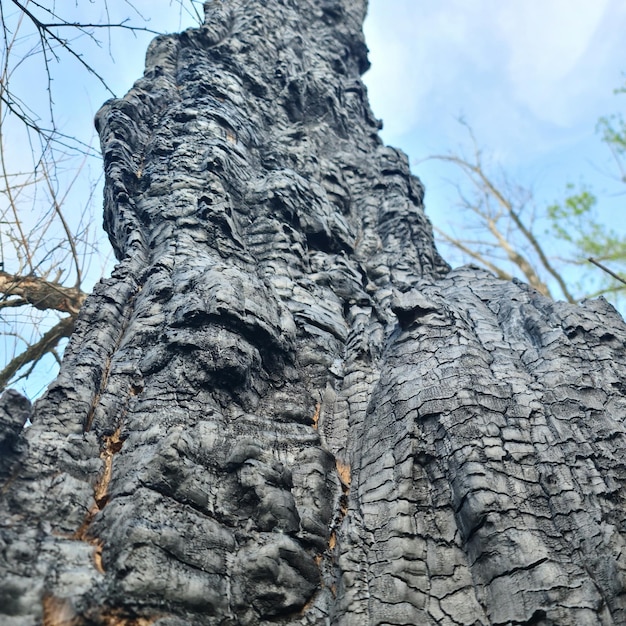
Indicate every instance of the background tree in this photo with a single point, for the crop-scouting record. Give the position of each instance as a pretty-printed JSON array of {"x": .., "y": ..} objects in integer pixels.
[
  {"x": 51, "y": 245},
  {"x": 37, "y": 41},
  {"x": 564, "y": 249},
  {"x": 283, "y": 407}
]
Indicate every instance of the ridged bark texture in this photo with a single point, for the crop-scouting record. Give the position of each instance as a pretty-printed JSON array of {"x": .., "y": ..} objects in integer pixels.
[{"x": 283, "y": 408}]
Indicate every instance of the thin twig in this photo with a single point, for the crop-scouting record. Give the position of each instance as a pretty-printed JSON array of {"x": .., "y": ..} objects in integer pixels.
[
  {"x": 35, "y": 352},
  {"x": 607, "y": 270},
  {"x": 477, "y": 175}
]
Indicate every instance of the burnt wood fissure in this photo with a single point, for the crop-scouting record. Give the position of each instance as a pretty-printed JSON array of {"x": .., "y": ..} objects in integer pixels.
[{"x": 284, "y": 407}]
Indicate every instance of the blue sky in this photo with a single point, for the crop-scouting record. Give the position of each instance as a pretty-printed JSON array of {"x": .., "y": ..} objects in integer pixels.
[{"x": 531, "y": 77}]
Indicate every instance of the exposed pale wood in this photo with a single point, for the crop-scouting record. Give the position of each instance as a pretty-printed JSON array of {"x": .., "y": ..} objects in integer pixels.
[{"x": 283, "y": 407}]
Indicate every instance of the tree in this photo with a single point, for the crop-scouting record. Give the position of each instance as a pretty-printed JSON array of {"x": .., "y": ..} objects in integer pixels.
[
  {"x": 561, "y": 249},
  {"x": 283, "y": 407},
  {"x": 46, "y": 244}
]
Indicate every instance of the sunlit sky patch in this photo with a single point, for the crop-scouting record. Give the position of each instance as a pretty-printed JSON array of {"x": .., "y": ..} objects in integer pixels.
[{"x": 531, "y": 77}]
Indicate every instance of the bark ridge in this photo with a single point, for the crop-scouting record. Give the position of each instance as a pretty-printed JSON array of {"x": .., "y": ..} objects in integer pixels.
[{"x": 283, "y": 407}]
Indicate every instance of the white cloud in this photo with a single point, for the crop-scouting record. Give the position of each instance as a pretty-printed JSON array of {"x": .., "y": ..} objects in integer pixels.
[
  {"x": 523, "y": 73},
  {"x": 414, "y": 48},
  {"x": 397, "y": 83},
  {"x": 545, "y": 43}
]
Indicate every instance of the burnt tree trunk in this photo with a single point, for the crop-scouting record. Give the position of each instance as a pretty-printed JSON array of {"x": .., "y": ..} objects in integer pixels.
[{"x": 283, "y": 407}]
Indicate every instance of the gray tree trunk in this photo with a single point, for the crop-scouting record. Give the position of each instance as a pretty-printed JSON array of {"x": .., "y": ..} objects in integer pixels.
[{"x": 283, "y": 408}]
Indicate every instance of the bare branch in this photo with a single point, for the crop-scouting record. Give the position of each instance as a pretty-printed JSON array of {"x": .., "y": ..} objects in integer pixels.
[
  {"x": 458, "y": 243},
  {"x": 607, "y": 270},
  {"x": 42, "y": 294},
  {"x": 47, "y": 34},
  {"x": 35, "y": 352},
  {"x": 57, "y": 209},
  {"x": 12, "y": 202},
  {"x": 13, "y": 303},
  {"x": 489, "y": 189}
]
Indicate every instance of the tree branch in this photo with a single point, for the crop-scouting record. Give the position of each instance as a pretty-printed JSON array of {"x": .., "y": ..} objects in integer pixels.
[
  {"x": 478, "y": 176},
  {"x": 34, "y": 353},
  {"x": 42, "y": 294},
  {"x": 607, "y": 270},
  {"x": 457, "y": 243}
]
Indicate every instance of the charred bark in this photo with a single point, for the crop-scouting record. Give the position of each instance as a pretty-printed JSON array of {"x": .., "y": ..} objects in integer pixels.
[{"x": 283, "y": 407}]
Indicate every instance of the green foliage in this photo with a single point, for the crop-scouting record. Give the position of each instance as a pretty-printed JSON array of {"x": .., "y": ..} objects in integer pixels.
[
  {"x": 612, "y": 130},
  {"x": 577, "y": 228},
  {"x": 548, "y": 246},
  {"x": 576, "y": 222},
  {"x": 569, "y": 219}
]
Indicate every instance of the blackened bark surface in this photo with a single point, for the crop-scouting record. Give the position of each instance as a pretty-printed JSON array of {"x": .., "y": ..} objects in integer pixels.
[{"x": 282, "y": 408}]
